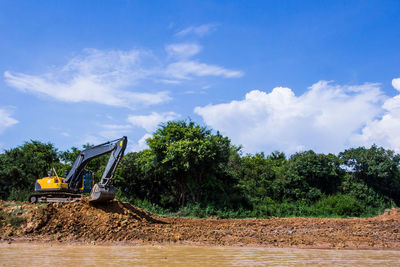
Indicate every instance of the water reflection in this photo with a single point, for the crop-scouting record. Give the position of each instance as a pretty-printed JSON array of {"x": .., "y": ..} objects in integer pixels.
[{"x": 56, "y": 255}]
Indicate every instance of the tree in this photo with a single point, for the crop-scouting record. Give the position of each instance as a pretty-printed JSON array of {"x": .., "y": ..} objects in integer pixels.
[
  {"x": 133, "y": 180},
  {"x": 185, "y": 163},
  {"x": 22, "y": 166},
  {"x": 374, "y": 168},
  {"x": 319, "y": 170},
  {"x": 256, "y": 175},
  {"x": 309, "y": 175}
]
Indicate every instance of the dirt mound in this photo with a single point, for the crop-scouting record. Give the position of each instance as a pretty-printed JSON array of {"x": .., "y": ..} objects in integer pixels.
[
  {"x": 119, "y": 221},
  {"x": 81, "y": 220},
  {"x": 78, "y": 220},
  {"x": 390, "y": 214}
]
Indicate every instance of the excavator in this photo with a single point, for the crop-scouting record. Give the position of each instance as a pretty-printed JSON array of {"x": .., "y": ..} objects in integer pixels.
[{"x": 78, "y": 180}]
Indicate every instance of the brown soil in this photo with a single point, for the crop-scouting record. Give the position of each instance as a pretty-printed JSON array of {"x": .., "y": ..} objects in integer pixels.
[{"x": 121, "y": 223}]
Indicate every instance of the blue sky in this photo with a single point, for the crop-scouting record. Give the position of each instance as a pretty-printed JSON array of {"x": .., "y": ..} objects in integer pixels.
[{"x": 271, "y": 75}]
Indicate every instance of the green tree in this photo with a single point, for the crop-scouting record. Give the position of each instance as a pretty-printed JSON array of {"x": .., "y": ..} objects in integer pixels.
[
  {"x": 185, "y": 163},
  {"x": 22, "y": 166},
  {"x": 256, "y": 175},
  {"x": 133, "y": 177},
  {"x": 374, "y": 168},
  {"x": 309, "y": 175}
]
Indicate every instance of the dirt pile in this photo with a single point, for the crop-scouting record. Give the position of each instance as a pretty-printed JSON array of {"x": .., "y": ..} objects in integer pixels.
[
  {"x": 122, "y": 222},
  {"x": 76, "y": 220},
  {"x": 390, "y": 214},
  {"x": 81, "y": 221}
]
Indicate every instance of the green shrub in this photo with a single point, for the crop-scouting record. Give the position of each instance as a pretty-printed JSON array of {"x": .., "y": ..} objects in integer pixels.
[
  {"x": 17, "y": 194},
  {"x": 2, "y": 216},
  {"x": 15, "y": 221},
  {"x": 14, "y": 218},
  {"x": 150, "y": 207},
  {"x": 341, "y": 205}
]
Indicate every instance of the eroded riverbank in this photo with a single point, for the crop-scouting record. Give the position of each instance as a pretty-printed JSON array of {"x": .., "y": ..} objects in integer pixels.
[{"x": 123, "y": 224}]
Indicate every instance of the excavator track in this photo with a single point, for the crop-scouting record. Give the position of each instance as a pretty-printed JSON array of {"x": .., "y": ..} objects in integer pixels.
[{"x": 53, "y": 197}]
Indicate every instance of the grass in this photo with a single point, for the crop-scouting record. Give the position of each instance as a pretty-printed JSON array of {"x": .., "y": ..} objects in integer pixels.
[
  {"x": 18, "y": 212},
  {"x": 9, "y": 204},
  {"x": 2, "y": 216},
  {"x": 337, "y": 206},
  {"x": 14, "y": 219}
]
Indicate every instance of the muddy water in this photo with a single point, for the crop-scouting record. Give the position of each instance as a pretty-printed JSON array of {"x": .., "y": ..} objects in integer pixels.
[{"x": 58, "y": 255}]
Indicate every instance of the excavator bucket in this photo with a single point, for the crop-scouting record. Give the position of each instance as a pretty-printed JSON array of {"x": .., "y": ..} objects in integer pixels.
[{"x": 101, "y": 194}]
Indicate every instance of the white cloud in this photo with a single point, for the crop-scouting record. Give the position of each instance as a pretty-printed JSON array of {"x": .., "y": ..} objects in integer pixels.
[
  {"x": 396, "y": 83},
  {"x": 112, "y": 77},
  {"x": 96, "y": 76},
  {"x": 326, "y": 118},
  {"x": 114, "y": 131},
  {"x": 199, "y": 30},
  {"x": 106, "y": 132},
  {"x": 6, "y": 120},
  {"x": 183, "y": 50},
  {"x": 187, "y": 69},
  {"x": 384, "y": 130},
  {"x": 151, "y": 122},
  {"x": 141, "y": 144},
  {"x": 91, "y": 139},
  {"x": 184, "y": 68},
  {"x": 166, "y": 81}
]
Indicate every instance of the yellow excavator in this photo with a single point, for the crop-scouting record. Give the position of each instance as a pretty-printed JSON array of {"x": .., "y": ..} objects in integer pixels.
[{"x": 78, "y": 180}]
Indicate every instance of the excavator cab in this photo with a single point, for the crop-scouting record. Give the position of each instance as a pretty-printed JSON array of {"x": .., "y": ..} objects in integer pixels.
[{"x": 85, "y": 184}]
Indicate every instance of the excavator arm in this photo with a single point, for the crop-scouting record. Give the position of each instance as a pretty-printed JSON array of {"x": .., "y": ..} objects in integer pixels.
[{"x": 103, "y": 190}]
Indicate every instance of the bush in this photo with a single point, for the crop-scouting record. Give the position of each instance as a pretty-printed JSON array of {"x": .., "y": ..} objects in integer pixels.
[
  {"x": 341, "y": 205},
  {"x": 14, "y": 219},
  {"x": 150, "y": 207},
  {"x": 366, "y": 194},
  {"x": 17, "y": 194}
]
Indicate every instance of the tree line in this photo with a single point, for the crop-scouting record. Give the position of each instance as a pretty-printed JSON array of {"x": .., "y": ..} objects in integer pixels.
[{"x": 190, "y": 170}]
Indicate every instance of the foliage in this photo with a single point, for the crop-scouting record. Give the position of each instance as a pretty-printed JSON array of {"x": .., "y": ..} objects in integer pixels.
[
  {"x": 14, "y": 219},
  {"x": 189, "y": 170},
  {"x": 131, "y": 178},
  {"x": 20, "y": 194},
  {"x": 21, "y": 166},
  {"x": 309, "y": 175},
  {"x": 257, "y": 175},
  {"x": 374, "y": 169},
  {"x": 185, "y": 163},
  {"x": 342, "y": 205}
]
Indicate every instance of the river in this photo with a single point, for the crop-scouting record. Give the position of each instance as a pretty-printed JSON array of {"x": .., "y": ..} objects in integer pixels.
[{"x": 80, "y": 255}]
